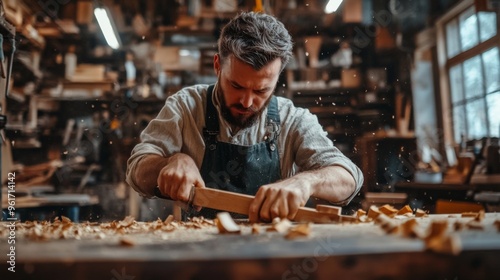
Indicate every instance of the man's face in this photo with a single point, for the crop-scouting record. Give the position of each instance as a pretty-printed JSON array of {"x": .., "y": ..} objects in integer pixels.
[{"x": 245, "y": 91}]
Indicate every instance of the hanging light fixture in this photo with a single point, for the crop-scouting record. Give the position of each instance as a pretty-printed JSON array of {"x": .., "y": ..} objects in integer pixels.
[
  {"x": 107, "y": 27},
  {"x": 332, "y": 6}
]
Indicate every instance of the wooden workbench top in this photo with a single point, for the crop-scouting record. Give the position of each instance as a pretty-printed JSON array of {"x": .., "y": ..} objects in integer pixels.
[{"x": 341, "y": 250}]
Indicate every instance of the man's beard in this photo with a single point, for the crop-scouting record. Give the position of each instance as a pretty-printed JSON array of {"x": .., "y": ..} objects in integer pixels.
[{"x": 242, "y": 121}]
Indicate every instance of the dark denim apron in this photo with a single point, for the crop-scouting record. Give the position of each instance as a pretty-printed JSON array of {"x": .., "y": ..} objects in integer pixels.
[{"x": 235, "y": 168}]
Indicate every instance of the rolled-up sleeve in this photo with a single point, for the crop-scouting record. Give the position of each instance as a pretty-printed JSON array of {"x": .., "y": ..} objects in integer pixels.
[
  {"x": 177, "y": 128},
  {"x": 314, "y": 150},
  {"x": 162, "y": 137}
]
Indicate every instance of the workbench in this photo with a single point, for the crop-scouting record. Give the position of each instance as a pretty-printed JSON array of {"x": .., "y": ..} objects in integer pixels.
[{"x": 331, "y": 251}]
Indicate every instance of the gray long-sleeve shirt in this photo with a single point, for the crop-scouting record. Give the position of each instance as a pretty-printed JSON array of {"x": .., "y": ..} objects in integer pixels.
[{"x": 302, "y": 142}]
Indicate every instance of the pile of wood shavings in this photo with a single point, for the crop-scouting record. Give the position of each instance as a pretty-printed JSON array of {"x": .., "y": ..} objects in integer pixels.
[
  {"x": 64, "y": 228},
  {"x": 439, "y": 236}
]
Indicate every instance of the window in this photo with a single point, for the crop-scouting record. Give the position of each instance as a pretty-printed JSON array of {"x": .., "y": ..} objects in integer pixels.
[{"x": 472, "y": 72}]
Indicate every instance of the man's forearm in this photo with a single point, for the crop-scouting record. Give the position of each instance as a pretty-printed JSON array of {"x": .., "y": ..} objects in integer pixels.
[
  {"x": 332, "y": 183},
  {"x": 147, "y": 170}
]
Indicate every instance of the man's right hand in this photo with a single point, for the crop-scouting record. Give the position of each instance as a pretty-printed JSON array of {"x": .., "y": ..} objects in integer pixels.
[{"x": 178, "y": 177}]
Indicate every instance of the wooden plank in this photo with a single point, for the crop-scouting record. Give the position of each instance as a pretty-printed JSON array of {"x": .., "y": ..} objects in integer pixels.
[
  {"x": 222, "y": 200},
  {"x": 240, "y": 203}
]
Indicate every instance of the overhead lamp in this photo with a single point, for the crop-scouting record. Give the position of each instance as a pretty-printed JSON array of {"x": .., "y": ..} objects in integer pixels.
[
  {"x": 332, "y": 6},
  {"x": 107, "y": 27}
]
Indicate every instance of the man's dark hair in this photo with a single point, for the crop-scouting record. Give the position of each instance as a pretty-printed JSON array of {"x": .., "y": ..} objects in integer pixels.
[{"x": 255, "y": 39}]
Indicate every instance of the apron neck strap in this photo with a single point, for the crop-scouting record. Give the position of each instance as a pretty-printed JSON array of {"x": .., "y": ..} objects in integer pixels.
[
  {"x": 273, "y": 114},
  {"x": 211, "y": 129}
]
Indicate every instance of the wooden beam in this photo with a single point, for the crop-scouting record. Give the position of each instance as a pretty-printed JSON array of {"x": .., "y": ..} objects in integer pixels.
[{"x": 240, "y": 203}]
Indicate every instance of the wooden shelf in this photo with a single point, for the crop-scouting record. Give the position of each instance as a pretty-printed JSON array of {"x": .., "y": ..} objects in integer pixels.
[
  {"x": 486, "y": 179},
  {"x": 323, "y": 91}
]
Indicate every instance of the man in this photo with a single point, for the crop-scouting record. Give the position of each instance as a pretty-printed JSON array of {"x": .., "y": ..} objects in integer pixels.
[{"x": 237, "y": 136}]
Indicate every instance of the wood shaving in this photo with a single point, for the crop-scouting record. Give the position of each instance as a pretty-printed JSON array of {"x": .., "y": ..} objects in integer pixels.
[
  {"x": 128, "y": 221},
  {"x": 127, "y": 242},
  {"x": 438, "y": 239},
  {"x": 256, "y": 229},
  {"x": 363, "y": 219},
  {"x": 282, "y": 226},
  {"x": 169, "y": 219},
  {"x": 387, "y": 224},
  {"x": 420, "y": 213},
  {"x": 373, "y": 212},
  {"x": 480, "y": 216},
  {"x": 360, "y": 213},
  {"x": 276, "y": 220},
  {"x": 477, "y": 222},
  {"x": 299, "y": 231},
  {"x": 449, "y": 244},
  {"x": 388, "y": 210},
  {"x": 405, "y": 210},
  {"x": 226, "y": 224},
  {"x": 437, "y": 229},
  {"x": 409, "y": 229}
]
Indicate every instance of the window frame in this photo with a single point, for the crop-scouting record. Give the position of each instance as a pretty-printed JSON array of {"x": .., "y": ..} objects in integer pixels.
[{"x": 445, "y": 63}]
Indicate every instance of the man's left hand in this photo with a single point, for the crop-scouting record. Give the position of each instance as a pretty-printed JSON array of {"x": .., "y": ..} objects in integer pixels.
[{"x": 281, "y": 199}]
